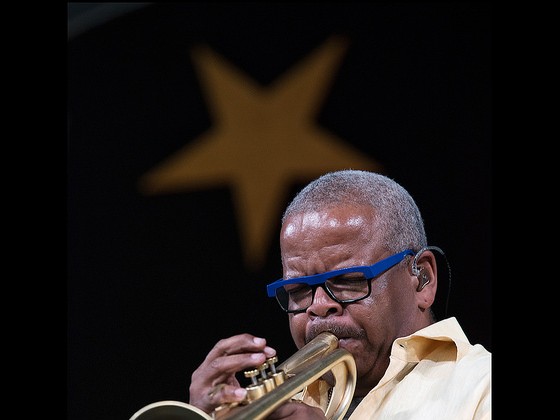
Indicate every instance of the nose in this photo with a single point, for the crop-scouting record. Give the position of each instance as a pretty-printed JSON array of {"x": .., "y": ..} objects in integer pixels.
[{"x": 322, "y": 304}]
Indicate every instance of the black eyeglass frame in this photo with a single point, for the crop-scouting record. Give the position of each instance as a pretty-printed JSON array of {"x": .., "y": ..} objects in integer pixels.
[{"x": 318, "y": 280}]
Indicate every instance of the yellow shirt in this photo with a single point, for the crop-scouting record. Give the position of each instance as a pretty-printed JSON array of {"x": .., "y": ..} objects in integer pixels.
[{"x": 435, "y": 373}]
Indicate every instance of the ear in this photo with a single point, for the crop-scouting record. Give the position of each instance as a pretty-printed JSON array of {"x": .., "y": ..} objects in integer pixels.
[{"x": 424, "y": 270}]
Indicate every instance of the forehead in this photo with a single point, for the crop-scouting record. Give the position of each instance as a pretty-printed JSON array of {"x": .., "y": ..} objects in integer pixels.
[
  {"x": 323, "y": 240},
  {"x": 334, "y": 220}
]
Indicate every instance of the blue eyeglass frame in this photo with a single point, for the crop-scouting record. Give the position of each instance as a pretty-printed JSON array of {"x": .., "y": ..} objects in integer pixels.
[{"x": 370, "y": 271}]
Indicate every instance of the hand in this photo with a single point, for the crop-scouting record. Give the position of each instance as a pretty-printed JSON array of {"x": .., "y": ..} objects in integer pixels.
[
  {"x": 214, "y": 383},
  {"x": 295, "y": 411}
]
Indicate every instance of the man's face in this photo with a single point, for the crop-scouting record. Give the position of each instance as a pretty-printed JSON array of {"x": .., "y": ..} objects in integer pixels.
[{"x": 316, "y": 242}]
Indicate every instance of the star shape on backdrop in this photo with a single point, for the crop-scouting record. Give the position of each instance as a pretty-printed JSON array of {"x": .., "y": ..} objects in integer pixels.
[{"x": 262, "y": 141}]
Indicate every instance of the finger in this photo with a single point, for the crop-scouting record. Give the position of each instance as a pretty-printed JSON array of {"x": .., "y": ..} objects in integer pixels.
[
  {"x": 227, "y": 357},
  {"x": 231, "y": 355},
  {"x": 206, "y": 378},
  {"x": 238, "y": 344},
  {"x": 223, "y": 394},
  {"x": 296, "y": 411},
  {"x": 225, "y": 367}
]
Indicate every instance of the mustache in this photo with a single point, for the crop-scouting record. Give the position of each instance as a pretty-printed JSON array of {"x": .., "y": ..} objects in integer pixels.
[{"x": 341, "y": 331}]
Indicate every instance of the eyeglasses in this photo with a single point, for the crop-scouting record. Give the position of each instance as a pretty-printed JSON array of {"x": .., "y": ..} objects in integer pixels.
[{"x": 345, "y": 285}]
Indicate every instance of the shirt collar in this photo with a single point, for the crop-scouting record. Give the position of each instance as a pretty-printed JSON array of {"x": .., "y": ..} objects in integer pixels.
[{"x": 443, "y": 340}]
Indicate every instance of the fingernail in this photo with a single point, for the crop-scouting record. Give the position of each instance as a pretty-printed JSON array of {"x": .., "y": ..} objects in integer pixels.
[
  {"x": 240, "y": 392},
  {"x": 259, "y": 341},
  {"x": 269, "y": 351}
]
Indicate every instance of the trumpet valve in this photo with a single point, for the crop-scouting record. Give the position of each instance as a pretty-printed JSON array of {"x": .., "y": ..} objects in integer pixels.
[
  {"x": 256, "y": 389},
  {"x": 271, "y": 361},
  {"x": 277, "y": 376},
  {"x": 252, "y": 375}
]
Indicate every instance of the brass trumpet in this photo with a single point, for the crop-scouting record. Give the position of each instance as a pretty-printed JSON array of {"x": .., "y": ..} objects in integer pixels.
[{"x": 317, "y": 358}]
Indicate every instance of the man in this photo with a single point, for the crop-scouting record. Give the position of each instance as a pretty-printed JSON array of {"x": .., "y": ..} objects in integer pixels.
[{"x": 409, "y": 365}]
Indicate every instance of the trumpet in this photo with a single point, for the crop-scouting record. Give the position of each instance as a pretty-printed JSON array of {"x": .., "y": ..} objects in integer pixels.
[{"x": 276, "y": 385}]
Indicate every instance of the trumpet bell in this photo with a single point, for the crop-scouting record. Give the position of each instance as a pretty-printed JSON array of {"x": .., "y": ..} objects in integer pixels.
[{"x": 170, "y": 410}]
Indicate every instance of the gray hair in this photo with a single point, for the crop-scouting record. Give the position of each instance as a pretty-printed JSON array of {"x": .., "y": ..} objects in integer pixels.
[{"x": 398, "y": 215}]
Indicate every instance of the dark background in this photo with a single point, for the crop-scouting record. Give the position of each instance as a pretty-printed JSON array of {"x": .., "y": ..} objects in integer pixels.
[{"x": 154, "y": 282}]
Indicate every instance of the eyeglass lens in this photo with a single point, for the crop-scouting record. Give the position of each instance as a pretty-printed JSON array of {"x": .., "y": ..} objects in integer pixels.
[{"x": 343, "y": 289}]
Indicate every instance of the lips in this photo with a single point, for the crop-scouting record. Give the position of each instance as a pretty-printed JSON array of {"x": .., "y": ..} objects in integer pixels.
[{"x": 342, "y": 341}]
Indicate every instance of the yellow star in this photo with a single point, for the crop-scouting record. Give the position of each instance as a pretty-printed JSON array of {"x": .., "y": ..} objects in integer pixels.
[{"x": 263, "y": 140}]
